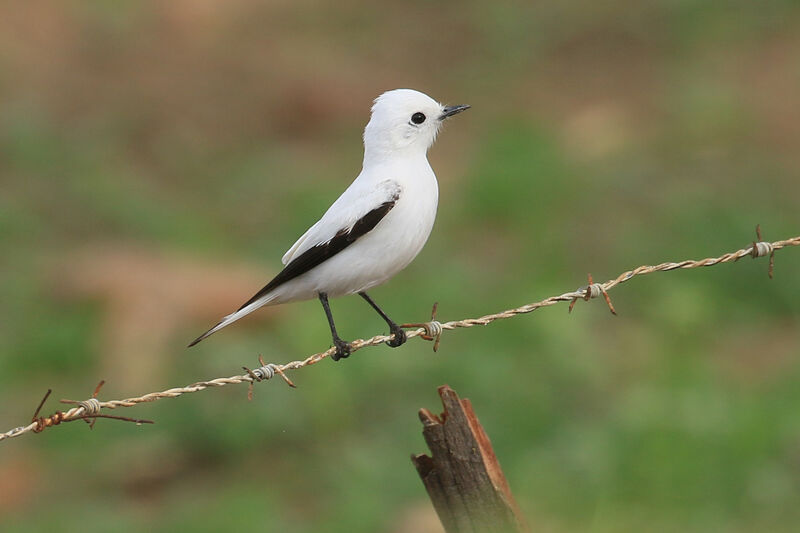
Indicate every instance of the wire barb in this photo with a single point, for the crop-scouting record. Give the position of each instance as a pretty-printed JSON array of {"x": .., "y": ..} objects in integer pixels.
[
  {"x": 427, "y": 330},
  {"x": 264, "y": 372},
  {"x": 41, "y": 422},
  {"x": 86, "y": 410},
  {"x": 433, "y": 328},
  {"x": 593, "y": 290},
  {"x": 761, "y": 248},
  {"x": 91, "y": 407}
]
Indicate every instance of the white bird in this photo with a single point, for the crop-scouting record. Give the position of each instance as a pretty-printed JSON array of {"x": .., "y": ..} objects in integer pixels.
[{"x": 377, "y": 226}]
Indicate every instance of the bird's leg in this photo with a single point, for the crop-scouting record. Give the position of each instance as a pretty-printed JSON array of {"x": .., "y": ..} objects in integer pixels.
[
  {"x": 398, "y": 332},
  {"x": 342, "y": 347}
]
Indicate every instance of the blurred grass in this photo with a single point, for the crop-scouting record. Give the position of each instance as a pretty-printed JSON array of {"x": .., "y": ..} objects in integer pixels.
[{"x": 601, "y": 137}]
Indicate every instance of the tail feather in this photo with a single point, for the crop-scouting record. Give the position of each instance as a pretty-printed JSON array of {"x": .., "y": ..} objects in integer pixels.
[
  {"x": 210, "y": 332},
  {"x": 231, "y": 318}
]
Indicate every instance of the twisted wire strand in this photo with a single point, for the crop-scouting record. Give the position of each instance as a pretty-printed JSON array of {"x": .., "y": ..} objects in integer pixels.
[{"x": 265, "y": 372}]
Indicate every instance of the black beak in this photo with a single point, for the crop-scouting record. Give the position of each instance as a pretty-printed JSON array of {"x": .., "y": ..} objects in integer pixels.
[{"x": 451, "y": 110}]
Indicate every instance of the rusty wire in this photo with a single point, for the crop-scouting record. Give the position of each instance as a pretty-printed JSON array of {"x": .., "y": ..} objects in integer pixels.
[{"x": 90, "y": 409}]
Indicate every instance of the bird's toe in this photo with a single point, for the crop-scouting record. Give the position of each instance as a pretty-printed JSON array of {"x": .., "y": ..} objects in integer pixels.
[
  {"x": 342, "y": 350},
  {"x": 400, "y": 337}
]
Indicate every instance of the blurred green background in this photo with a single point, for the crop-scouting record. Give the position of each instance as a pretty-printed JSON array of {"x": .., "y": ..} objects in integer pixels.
[{"x": 157, "y": 159}]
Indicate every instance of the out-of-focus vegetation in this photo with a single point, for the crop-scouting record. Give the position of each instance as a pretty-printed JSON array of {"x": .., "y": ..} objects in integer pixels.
[{"x": 157, "y": 158}]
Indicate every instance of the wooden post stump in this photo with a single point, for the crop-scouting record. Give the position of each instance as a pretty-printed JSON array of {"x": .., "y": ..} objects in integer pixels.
[{"x": 462, "y": 475}]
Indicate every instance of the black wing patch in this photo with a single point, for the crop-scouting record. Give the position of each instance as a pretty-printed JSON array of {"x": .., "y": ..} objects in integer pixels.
[{"x": 320, "y": 253}]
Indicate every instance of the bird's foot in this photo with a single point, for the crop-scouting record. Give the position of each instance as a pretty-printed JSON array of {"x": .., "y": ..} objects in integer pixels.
[
  {"x": 342, "y": 349},
  {"x": 399, "y": 336}
]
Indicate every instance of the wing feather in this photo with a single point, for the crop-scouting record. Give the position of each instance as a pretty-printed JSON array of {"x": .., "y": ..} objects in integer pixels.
[
  {"x": 358, "y": 200},
  {"x": 319, "y": 253}
]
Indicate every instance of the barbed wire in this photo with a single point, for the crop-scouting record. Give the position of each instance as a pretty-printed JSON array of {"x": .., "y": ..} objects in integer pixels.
[{"x": 89, "y": 410}]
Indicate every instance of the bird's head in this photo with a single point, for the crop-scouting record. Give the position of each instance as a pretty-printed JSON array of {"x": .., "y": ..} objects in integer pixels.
[{"x": 405, "y": 121}]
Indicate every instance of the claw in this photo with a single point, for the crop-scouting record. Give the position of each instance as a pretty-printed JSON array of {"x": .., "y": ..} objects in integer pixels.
[
  {"x": 342, "y": 350},
  {"x": 399, "y": 337}
]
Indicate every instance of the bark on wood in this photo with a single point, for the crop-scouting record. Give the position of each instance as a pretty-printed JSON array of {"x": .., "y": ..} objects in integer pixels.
[{"x": 462, "y": 475}]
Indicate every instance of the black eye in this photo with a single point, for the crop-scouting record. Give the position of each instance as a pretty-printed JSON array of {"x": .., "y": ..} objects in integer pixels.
[{"x": 417, "y": 118}]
